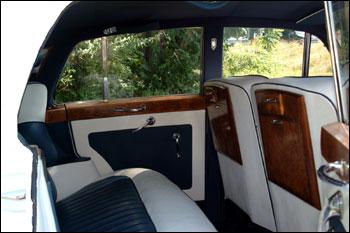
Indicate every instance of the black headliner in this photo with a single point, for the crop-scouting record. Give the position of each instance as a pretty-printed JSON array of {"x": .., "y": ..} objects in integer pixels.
[
  {"x": 86, "y": 20},
  {"x": 92, "y": 17}
]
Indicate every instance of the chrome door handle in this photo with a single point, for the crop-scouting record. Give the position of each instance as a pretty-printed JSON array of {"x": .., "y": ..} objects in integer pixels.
[
  {"x": 267, "y": 100},
  {"x": 341, "y": 167},
  {"x": 176, "y": 138},
  {"x": 276, "y": 122},
  {"x": 143, "y": 108},
  {"x": 149, "y": 121}
]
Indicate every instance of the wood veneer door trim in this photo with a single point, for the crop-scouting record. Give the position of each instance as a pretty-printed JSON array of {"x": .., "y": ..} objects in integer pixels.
[
  {"x": 56, "y": 114},
  {"x": 292, "y": 149},
  {"x": 222, "y": 122},
  {"x": 102, "y": 109}
]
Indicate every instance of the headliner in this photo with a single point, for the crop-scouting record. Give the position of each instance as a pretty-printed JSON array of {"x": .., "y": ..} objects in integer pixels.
[{"x": 85, "y": 20}]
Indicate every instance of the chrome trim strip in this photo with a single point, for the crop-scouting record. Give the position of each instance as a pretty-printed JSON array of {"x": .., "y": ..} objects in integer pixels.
[
  {"x": 334, "y": 56},
  {"x": 306, "y": 17}
]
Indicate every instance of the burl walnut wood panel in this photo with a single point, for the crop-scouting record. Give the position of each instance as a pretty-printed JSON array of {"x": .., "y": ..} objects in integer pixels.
[
  {"x": 56, "y": 114},
  {"x": 222, "y": 122},
  {"x": 101, "y": 109},
  {"x": 335, "y": 142},
  {"x": 287, "y": 146}
]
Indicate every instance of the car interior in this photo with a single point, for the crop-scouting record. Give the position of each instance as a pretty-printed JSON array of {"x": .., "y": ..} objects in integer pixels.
[{"x": 241, "y": 154}]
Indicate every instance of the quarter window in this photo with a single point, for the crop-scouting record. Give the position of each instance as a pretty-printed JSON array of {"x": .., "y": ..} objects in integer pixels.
[
  {"x": 274, "y": 53},
  {"x": 320, "y": 59}
]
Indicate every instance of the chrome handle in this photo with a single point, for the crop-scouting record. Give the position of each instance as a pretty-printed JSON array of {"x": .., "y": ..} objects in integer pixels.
[
  {"x": 14, "y": 195},
  {"x": 267, "y": 100},
  {"x": 177, "y": 137},
  {"x": 334, "y": 208},
  {"x": 340, "y": 167},
  {"x": 143, "y": 108},
  {"x": 276, "y": 122},
  {"x": 149, "y": 121}
]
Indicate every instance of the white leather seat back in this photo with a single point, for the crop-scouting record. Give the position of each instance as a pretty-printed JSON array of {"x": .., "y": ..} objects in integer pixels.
[
  {"x": 292, "y": 213},
  {"x": 246, "y": 185}
]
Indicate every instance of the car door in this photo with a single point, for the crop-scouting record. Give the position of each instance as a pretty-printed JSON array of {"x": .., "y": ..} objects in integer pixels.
[
  {"x": 155, "y": 115},
  {"x": 335, "y": 137}
]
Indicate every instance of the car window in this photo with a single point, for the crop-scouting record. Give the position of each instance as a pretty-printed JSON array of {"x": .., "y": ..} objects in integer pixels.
[
  {"x": 320, "y": 59},
  {"x": 153, "y": 63},
  {"x": 262, "y": 51}
]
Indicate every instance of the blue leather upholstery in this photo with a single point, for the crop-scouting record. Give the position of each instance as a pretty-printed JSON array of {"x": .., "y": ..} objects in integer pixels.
[
  {"x": 36, "y": 133},
  {"x": 111, "y": 204}
]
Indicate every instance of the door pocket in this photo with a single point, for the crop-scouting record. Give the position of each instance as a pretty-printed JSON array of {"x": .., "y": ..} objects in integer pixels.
[{"x": 152, "y": 148}]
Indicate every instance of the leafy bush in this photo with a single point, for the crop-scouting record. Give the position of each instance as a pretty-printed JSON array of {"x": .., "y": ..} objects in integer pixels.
[
  {"x": 255, "y": 58},
  {"x": 146, "y": 64}
]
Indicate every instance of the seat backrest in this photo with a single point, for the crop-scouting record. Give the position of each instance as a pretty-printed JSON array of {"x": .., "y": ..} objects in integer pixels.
[
  {"x": 291, "y": 112},
  {"x": 245, "y": 184}
]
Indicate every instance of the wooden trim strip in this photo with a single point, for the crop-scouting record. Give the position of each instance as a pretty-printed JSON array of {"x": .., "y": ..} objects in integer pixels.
[
  {"x": 55, "y": 114},
  {"x": 102, "y": 109},
  {"x": 335, "y": 142}
]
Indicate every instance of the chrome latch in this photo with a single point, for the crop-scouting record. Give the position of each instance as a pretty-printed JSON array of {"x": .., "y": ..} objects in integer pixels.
[
  {"x": 149, "y": 121},
  {"x": 176, "y": 138},
  {"x": 335, "y": 208},
  {"x": 341, "y": 168}
]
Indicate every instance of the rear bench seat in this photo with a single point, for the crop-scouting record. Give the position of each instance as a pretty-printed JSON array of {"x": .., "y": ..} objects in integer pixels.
[{"x": 131, "y": 200}]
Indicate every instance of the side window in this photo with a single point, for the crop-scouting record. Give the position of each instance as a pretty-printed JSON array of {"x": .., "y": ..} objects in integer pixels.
[
  {"x": 320, "y": 59},
  {"x": 154, "y": 63},
  {"x": 262, "y": 51}
]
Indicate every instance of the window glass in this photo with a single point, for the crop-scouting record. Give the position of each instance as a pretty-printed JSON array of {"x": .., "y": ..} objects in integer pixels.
[
  {"x": 320, "y": 59},
  {"x": 270, "y": 52},
  {"x": 154, "y": 63}
]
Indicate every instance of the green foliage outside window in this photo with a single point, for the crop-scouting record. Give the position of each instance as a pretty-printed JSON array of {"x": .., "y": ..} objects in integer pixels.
[
  {"x": 251, "y": 56},
  {"x": 167, "y": 62},
  {"x": 146, "y": 64}
]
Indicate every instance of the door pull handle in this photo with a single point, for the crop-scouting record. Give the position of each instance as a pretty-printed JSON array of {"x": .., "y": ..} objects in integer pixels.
[
  {"x": 176, "y": 138},
  {"x": 143, "y": 108}
]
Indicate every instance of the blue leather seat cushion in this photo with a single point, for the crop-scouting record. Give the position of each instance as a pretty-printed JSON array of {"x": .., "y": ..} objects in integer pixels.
[{"x": 111, "y": 204}]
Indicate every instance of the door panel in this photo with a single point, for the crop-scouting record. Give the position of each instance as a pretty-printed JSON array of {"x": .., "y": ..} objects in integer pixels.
[
  {"x": 104, "y": 135},
  {"x": 152, "y": 148},
  {"x": 196, "y": 119}
]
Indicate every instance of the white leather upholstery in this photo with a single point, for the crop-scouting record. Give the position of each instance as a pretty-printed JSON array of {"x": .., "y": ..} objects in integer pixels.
[
  {"x": 33, "y": 106},
  {"x": 170, "y": 209},
  {"x": 292, "y": 213},
  {"x": 71, "y": 177},
  {"x": 246, "y": 185}
]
